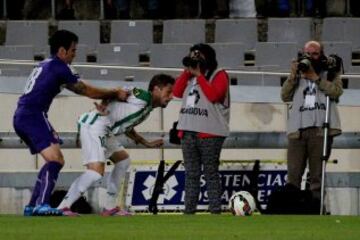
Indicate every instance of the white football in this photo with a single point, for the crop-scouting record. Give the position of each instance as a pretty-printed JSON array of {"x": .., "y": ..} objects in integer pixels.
[{"x": 242, "y": 204}]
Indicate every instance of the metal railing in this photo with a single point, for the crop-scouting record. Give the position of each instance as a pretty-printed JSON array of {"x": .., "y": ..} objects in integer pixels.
[{"x": 236, "y": 140}]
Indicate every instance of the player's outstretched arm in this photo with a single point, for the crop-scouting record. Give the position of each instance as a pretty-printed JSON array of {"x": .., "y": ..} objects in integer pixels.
[
  {"x": 90, "y": 91},
  {"x": 139, "y": 139}
]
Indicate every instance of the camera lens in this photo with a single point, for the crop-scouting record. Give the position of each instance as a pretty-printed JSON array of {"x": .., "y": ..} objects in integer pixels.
[
  {"x": 186, "y": 61},
  {"x": 190, "y": 62},
  {"x": 304, "y": 65}
]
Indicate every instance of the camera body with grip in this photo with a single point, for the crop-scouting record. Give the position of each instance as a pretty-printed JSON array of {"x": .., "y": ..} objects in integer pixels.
[{"x": 331, "y": 63}]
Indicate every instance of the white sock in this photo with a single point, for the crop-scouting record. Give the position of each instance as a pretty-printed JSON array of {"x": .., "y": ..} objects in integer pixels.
[
  {"x": 113, "y": 182},
  {"x": 78, "y": 187}
]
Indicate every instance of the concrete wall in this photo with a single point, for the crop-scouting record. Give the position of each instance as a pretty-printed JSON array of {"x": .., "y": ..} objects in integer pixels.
[{"x": 262, "y": 117}]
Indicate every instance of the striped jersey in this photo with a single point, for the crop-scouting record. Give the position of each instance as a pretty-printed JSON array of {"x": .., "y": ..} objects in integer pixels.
[{"x": 123, "y": 116}]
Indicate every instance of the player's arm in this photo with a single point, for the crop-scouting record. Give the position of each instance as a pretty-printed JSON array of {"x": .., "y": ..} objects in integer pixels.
[
  {"x": 90, "y": 91},
  {"x": 137, "y": 138}
]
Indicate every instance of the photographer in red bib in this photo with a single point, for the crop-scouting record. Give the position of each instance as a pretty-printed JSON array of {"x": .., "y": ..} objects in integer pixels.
[
  {"x": 203, "y": 123},
  {"x": 313, "y": 76}
]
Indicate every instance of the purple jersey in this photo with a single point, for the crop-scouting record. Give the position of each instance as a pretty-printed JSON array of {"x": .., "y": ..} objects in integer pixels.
[{"x": 44, "y": 83}]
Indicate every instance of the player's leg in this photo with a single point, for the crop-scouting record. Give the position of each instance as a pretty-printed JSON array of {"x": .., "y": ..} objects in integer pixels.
[
  {"x": 49, "y": 175},
  {"x": 94, "y": 173},
  {"x": 41, "y": 138},
  {"x": 93, "y": 156},
  {"x": 121, "y": 161}
]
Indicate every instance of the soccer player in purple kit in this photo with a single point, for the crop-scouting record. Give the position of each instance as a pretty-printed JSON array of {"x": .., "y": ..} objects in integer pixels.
[{"x": 30, "y": 120}]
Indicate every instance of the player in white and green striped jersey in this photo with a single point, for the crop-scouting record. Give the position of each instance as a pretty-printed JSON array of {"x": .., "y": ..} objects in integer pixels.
[{"x": 98, "y": 134}]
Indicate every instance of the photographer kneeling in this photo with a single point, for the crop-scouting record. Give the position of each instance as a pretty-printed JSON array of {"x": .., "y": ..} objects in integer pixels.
[
  {"x": 313, "y": 77},
  {"x": 203, "y": 123}
]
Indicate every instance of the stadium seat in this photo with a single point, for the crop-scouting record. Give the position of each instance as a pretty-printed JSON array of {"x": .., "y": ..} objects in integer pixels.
[
  {"x": 101, "y": 73},
  {"x": 139, "y": 31},
  {"x": 18, "y": 52},
  {"x": 35, "y": 33},
  {"x": 342, "y": 30},
  {"x": 297, "y": 30},
  {"x": 275, "y": 54},
  {"x": 184, "y": 31},
  {"x": 229, "y": 55},
  {"x": 354, "y": 69},
  {"x": 257, "y": 79},
  {"x": 144, "y": 75},
  {"x": 119, "y": 54},
  {"x": 342, "y": 49},
  {"x": 87, "y": 31},
  {"x": 168, "y": 55},
  {"x": 236, "y": 30}
]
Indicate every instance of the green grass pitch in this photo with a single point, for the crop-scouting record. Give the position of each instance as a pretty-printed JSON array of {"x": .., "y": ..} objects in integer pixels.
[{"x": 174, "y": 227}]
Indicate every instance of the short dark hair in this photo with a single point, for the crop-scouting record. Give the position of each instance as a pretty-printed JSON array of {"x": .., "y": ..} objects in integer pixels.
[
  {"x": 160, "y": 80},
  {"x": 62, "y": 38}
]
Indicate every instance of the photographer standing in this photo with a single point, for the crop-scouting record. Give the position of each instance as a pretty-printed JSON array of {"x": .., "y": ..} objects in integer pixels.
[
  {"x": 313, "y": 77},
  {"x": 203, "y": 123}
]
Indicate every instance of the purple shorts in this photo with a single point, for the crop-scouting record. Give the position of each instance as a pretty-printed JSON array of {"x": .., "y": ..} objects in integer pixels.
[{"x": 35, "y": 130}]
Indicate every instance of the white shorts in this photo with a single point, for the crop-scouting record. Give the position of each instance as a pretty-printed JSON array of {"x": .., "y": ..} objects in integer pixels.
[{"x": 96, "y": 146}]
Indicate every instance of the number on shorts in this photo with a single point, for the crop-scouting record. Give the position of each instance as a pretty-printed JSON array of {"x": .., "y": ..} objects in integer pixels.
[
  {"x": 102, "y": 141},
  {"x": 32, "y": 78}
]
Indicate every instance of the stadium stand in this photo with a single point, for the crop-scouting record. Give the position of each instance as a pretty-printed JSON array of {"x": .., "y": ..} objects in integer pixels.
[
  {"x": 139, "y": 31},
  {"x": 236, "y": 30},
  {"x": 168, "y": 55},
  {"x": 16, "y": 52},
  {"x": 33, "y": 33},
  {"x": 184, "y": 31},
  {"x": 342, "y": 30},
  {"x": 120, "y": 54},
  {"x": 230, "y": 55},
  {"x": 275, "y": 54},
  {"x": 81, "y": 53},
  {"x": 19, "y": 52},
  {"x": 87, "y": 31},
  {"x": 297, "y": 30},
  {"x": 342, "y": 49}
]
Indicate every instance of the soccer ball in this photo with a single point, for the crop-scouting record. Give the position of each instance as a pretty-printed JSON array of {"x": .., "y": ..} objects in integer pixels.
[{"x": 242, "y": 204}]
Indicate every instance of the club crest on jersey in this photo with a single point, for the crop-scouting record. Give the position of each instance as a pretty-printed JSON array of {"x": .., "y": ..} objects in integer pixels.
[{"x": 136, "y": 92}]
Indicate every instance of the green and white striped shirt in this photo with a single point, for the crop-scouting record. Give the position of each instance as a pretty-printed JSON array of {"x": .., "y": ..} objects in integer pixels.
[{"x": 123, "y": 116}]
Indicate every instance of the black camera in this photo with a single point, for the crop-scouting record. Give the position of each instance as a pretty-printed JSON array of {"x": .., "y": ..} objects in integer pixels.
[
  {"x": 304, "y": 61},
  {"x": 326, "y": 63},
  {"x": 191, "y": 62},
  {"x": 194, "y": 61}
]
